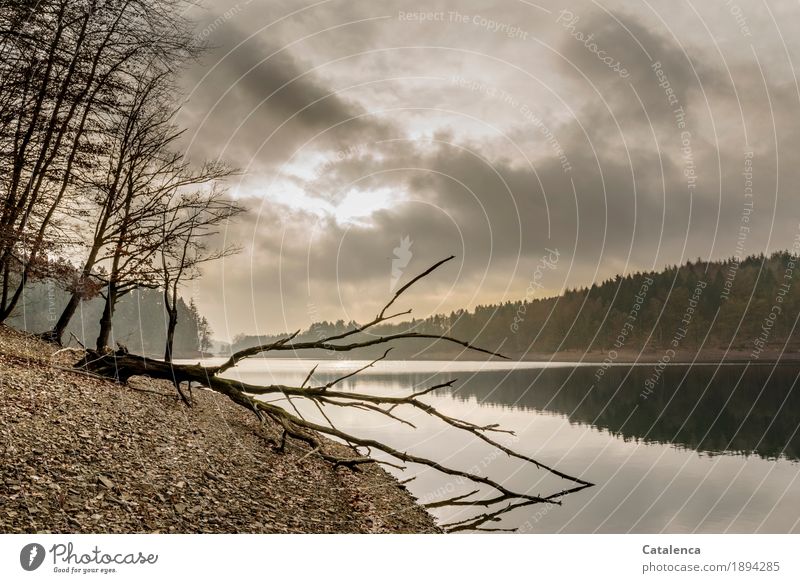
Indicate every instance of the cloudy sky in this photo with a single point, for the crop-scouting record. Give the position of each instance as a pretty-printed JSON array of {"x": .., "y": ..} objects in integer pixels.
[{"x": 376, "y": 137}]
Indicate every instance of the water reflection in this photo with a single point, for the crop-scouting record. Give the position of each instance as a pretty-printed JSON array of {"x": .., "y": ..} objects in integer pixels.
[
  {"x": 671, "y": 462},
  {"x": 714, "y": 409}
]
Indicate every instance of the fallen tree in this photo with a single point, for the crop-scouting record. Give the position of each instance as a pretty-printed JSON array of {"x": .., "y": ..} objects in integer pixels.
[{"x": 121, "y": 366}]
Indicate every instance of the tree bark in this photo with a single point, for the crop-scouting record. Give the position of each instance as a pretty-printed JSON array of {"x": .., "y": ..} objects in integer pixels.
[
  {"x": 57, "y": 333},
  {"x": 6, "y": 276},
  {"x": 106, "y": 319},
  {"x": 172, "y": 323}
]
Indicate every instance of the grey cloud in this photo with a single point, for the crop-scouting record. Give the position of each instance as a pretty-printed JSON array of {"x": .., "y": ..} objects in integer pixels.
[
  {"x": 489, "y": 208},
  {"x": 267, "y": 103}
]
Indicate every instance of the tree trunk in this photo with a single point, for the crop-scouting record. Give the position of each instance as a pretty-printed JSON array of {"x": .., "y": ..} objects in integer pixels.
[
  {"x": 57, "y": 333},
  {"x": 9, "y": 303},
  {"x": 6, "y": 276},
  {"x": 106, "y": 319},
  {"x": 171, "y": 325}
]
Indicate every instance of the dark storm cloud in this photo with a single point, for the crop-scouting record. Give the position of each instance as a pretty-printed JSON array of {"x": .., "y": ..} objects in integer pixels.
[
  {"x": 642, "y": 185},
  {"x": 265, "y": 103}
]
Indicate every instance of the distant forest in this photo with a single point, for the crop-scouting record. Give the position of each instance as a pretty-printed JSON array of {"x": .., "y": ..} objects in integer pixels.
[
  {"x": 749, "y": 305},
  {"x": 140, "y": 321}
]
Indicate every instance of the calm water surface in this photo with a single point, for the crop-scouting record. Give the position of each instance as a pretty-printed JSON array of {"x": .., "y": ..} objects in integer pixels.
[{"x": 711, "y": 449}]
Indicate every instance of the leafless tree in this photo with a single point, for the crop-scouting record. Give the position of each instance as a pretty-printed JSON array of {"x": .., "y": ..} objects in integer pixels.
[
  {"x": 151, "y": 175},
  {"x": 187, "y": 227},
  {"x": 63, "y": 64},
  {"x": 143, "y": 176},
  {"x": 105, "y": 189}
]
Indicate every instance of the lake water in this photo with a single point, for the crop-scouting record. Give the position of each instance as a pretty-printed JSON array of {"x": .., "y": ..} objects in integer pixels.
[{"x": 706, "y": 448}]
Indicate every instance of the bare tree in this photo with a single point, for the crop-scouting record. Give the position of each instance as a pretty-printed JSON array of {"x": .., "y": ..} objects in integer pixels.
[
  {"x": 140, "y": 234},
  {"x": 492, "y": 498},
  {"x": 186, "y": 230},
  {"x": 105, "y": 191},
  {"x": 64, "y": 63},
  {"x": 144, "y": 174}
]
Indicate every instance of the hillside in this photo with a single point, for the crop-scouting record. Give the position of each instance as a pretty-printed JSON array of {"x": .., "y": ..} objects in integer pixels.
[
  {"x": 85, "y": 455},
  {"x": 742, "y": 310}
]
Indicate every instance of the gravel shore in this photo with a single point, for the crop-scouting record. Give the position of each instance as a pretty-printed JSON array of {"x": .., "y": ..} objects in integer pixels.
[{"x": 84, "y": 455}]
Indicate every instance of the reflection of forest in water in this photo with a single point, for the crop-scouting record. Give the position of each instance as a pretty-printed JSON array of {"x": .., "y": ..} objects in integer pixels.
[{"x": 731, "y": 408}]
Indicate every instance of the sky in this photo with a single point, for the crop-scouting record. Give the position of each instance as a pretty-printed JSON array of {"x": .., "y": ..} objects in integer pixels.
[{"x": 596, "y": 138}]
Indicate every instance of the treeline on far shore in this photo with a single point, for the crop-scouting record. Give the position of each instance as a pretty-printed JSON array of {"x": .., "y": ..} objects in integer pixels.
[{"x": 747, "y": 306}]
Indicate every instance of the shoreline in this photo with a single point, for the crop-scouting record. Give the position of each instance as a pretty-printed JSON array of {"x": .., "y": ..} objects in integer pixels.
[
  {"x": 624, "y": 358},
  {"x": 85, "y": 455},
  {"x": 682, "y": 357}
]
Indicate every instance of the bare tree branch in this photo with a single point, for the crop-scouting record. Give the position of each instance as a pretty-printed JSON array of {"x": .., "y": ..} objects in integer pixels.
[{"x": 498, "y": 499}]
